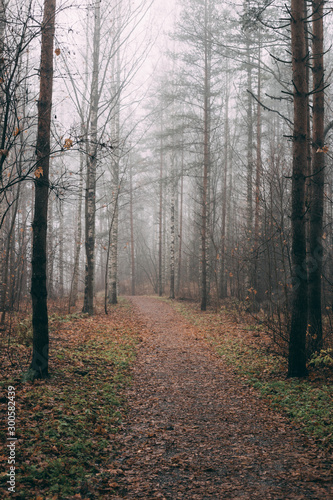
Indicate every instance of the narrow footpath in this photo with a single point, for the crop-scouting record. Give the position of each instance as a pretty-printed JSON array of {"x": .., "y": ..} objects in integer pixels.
[{"x": 194, "y": 431}]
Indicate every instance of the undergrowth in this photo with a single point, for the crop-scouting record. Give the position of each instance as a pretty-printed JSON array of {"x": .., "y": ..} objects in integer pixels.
[{"x": 66, "y": 425}]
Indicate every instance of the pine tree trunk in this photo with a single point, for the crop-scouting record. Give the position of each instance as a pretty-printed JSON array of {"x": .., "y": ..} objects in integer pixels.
[
  {"x": 297, "y": 342},
  {"x": 317, "y": 181},
  {"x": 40, "y": 355}
]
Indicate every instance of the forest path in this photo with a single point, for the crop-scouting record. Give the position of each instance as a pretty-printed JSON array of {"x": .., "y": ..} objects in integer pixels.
[{"x": 194, "y": 431}]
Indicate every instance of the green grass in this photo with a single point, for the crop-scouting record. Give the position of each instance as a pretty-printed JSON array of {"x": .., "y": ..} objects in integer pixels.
[{"x": 66, "y": 425}]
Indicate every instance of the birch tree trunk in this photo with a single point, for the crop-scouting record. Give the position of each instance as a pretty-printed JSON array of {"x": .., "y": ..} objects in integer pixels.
[
  {"x": 115, "y": 188},
  {"x": 40, "y": 355},
  {"x": 90, "y": 199}
]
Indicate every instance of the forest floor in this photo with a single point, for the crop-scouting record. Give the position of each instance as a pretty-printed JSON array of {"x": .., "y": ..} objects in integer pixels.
[
  {"x": 195, "y": 431},
  {"x": 161, "y": 401}
]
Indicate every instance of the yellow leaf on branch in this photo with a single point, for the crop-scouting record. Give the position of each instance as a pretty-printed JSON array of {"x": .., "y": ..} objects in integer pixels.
[
  {"x": 324, "y": 149},
  {"x": 38, "y": 172},
  {"x": 68, "y": 144}
]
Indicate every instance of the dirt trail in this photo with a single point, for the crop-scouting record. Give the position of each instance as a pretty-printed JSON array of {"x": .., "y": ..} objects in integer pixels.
[{"x": 194, "y": 432}]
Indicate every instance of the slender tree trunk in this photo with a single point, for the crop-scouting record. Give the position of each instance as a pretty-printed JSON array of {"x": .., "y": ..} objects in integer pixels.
[
  {"x": 113, "y": 268},
  {"x": 77, "y": 248},
  {"x": 160, "y": 222},
  {"x": 172, "y": 230},
  {"x": 2, "y": 114},
  {"x": 297, "y": 342},
  {"x": 179, "y": 274},
  {"x": 78, "y": 243},
  {"x": 317, "y": 180},
  {"x": 223, "y": 278},
  {"x": 90, "y": 200},
  {"x": 206, "y": 166},
  {"x": 40, "y": 355},
  {"x": 9, "y": 248},
  {"x": 115, "y": 137},
  {"x": 61, "y": 252},
  {"x": 249, "y": 179},
  {"x": 256, "y": 280},
  {"x": 50, "y": 250},
  {"x": 132, "y": 236}
]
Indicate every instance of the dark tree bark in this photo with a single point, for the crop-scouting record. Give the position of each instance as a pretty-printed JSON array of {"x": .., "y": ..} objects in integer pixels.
[
  {"x": 297, "y": 342},
  {"x": 40, "y": 356},
  {"x": 317, "y": 180}
]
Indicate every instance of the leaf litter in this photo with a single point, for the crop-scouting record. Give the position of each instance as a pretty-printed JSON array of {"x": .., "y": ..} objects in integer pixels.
[
  {"x": 177, "y": 425},
  {"x": 195, "y": 431}
]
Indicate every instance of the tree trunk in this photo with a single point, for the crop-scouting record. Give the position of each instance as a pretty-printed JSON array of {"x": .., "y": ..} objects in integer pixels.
[
  {"x": 90, "y": 199},
  {"x": 297, "y": 342},
  {"x": 317, "y": 181},
  {"x": 206, "y": 166},
  {"x": 223, "y": 278},
  {"x": 132, "y": 236},
  {"x": 249, "y": 179},
  {"x": 50, "y": 251},
  {"x": 7, "y": 270},
  {"x": 256, "y": 278},
  {"x": 61, "y": 252},
  {"x": 172, "y": 229},
  {"x": 2, "y": 114},
  {"x": 115, "y": 138},
  {"x": 179, "y": 274},
  {"x": 160, "y": 222},
  {"x": 40, "y": 355},
  {"x": 77, "y": 248}
]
